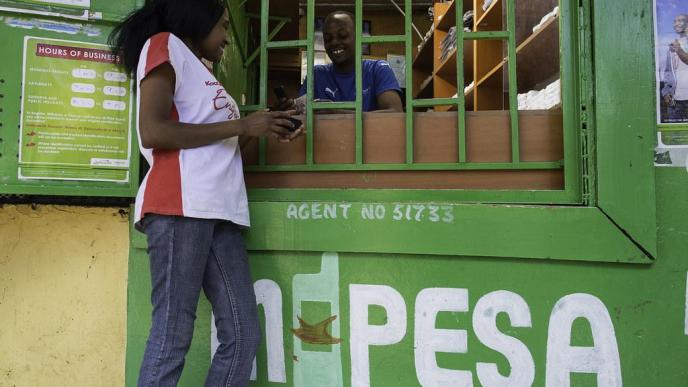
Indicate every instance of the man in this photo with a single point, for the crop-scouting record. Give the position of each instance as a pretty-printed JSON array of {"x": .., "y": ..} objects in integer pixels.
[
  {"x": 336, "y": 82},
  {"x": 675, "y": 90}
]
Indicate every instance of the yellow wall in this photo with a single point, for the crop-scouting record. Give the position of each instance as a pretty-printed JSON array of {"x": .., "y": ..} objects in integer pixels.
[{"x": 63, "y": 287}]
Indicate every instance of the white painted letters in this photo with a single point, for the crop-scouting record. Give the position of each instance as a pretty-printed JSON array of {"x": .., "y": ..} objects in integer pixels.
[
  {"x": 485, "y": 314},
  {"x": 269, "y": 295},
  {"x": 363, "y": 335},
  {"x": 430, "y": 340},
  {"x": 563, "y": 358}
]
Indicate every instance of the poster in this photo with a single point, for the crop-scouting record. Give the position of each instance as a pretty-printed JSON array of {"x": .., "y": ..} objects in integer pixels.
[
  {"x": 671, "y": 59},
  {"x": 76, "y": 112}
]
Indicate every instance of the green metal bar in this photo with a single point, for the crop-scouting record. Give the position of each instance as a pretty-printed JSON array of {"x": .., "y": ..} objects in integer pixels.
[
  {"x": 277, "y": 29},
  {"x": 384, "y": 39},
  {"x": 235, "y": 33},
  {"x": 359, "y": 83},
  {"x": 334, "y": 105},
  {"x": 578, "y": 122},
  {"x": 434, "y": 102},
  {"x": 544, "y": 165},
  {"x": 310, "y": 61},
  {"x": 513, "y": 89},
  {"x": 263, "y": 95},
  {"x": 272, "y": 34},
  {"x": 288, "y": 44},
  {"x": 461, "y": 97},
  {"x": 486, "y": 35},
  {"x": 408, "y": 20}
]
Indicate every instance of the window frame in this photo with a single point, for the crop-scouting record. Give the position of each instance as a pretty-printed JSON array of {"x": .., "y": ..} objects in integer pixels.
[{"x": 612, "y": 215}]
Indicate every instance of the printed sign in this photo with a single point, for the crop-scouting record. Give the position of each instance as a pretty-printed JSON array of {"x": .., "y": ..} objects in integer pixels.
[
  {"x": 76, "y": 112},
  {"x": 671, "y": 58}
]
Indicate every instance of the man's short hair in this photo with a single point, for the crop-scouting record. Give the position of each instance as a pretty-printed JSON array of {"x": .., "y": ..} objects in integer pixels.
[{"x": 335, "y": 13}]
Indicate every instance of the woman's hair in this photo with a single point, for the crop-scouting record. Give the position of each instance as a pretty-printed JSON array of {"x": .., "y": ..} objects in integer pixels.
[{"x": 192, "y": 19}]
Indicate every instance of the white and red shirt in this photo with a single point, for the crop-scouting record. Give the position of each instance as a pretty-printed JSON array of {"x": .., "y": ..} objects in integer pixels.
[{"x": 205, "y": 182}]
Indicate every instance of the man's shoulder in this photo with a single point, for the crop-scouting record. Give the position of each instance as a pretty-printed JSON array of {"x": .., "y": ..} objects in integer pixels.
[
  {"x": 375, "y": 63},
  {"x": 322, "y": 68}
]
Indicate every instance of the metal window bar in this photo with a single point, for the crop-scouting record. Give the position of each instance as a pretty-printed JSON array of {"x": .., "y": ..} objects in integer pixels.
[{"x": 509, "y": 35}]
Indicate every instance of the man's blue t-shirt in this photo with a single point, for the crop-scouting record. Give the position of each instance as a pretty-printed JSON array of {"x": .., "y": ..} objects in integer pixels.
[{"x": 378, "y": 77}]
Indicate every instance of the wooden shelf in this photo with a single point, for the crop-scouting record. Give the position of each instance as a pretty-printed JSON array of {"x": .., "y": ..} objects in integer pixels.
[
  {"x": 423, "y": 58},
  {"x": 447, "y": 69},
  {"x": 537, "y": 54},
  {"x": 447, "y": 20},
  {"x": 490, "y": 19},
  {"x": 536, "y": 44},
  {"x": 424, "y": 89}
]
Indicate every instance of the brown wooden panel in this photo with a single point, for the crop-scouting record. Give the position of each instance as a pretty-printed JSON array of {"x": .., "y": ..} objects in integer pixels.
[
  {"x": 536, "y": 179},
  {"x": 488, "y": 139}
]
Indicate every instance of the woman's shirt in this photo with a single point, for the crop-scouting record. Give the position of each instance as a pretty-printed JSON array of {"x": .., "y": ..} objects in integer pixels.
[{"x": 205, "y": 182}]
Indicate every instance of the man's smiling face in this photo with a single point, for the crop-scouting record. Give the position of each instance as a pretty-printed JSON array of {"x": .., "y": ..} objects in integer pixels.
[
  {"x": 681, "y": 24},
  {"x": 338, "y": 36}
]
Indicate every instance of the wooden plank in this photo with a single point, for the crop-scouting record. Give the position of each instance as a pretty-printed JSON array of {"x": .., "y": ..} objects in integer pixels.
[{"x": 487, "y": 136}]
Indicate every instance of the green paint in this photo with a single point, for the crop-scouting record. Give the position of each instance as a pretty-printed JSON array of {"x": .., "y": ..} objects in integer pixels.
[
  {"x": 318, "y": 365},
  {"x": 530, "y": 232},
  {"x": 625, "y": 117}
]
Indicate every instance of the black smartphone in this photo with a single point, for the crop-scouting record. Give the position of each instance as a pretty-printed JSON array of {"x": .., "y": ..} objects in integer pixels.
[
  {"x": 281, "y": 95},
  {"x": 297, "y": 123}
]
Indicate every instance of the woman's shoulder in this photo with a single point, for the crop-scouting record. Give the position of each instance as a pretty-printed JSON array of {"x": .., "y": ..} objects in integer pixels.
[{"x": 166, "y": 38}]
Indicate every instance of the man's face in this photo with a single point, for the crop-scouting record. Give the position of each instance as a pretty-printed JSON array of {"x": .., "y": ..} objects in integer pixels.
[
  {"x": 338, "y": 36},
  {"x": 680, "y": 24}
]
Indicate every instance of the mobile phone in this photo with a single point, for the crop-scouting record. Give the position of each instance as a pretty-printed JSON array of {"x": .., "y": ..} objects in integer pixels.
[
  {"x": 297, "y": 123},
  {"x": 281, "y": 94}
]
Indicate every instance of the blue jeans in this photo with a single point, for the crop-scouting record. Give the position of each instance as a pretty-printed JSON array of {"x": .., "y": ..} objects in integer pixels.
[{"x": 187, "y": 254}]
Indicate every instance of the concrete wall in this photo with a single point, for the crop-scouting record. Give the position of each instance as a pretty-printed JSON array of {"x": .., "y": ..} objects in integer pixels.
[{"x": 63, "y": 287}]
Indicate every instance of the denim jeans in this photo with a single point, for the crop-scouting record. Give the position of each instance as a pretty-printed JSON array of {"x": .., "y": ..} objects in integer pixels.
[{"x": 187, "y": 254}]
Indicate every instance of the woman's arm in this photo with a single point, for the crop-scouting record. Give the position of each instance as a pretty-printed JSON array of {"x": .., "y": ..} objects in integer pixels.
[{"x": 159, "y": 131}]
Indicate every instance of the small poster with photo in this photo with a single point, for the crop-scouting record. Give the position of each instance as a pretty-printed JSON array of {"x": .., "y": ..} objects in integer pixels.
[{"x": 671, "y": 58}]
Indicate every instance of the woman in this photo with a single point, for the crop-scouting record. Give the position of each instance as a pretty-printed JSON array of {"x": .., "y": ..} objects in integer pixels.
[{"x": 192, "y": 203}]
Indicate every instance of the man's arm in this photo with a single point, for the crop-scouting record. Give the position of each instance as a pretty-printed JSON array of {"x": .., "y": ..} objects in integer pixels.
[
  {"x": 389, "y": 101},
  {"x": 682, "y": 54}
]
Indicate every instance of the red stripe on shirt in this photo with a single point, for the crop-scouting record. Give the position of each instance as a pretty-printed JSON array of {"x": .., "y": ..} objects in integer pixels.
[
  {"x": 158, "y": 51},
  {"x": 163, "y": 194}
]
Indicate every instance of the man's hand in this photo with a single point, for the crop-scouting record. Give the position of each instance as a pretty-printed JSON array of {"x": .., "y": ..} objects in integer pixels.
[
  {"x": 669, "y": 99},
  {"x": 674, "y": 46}
]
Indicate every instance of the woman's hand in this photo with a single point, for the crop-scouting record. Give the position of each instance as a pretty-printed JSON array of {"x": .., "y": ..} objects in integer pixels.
[{"x": 271, "y": 123}]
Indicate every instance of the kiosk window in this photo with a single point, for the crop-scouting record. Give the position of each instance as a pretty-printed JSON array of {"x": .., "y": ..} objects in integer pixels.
[{"x": 487, "y": 88}]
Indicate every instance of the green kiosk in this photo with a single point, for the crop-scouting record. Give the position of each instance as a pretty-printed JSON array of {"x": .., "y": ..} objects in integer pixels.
[{"x": 524, "y": 221}]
